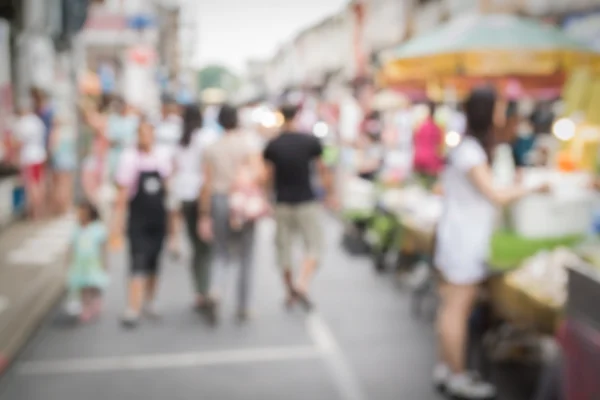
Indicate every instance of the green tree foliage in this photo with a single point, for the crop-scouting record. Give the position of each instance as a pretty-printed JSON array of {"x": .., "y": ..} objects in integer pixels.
[{"x": 217, "y": 76}]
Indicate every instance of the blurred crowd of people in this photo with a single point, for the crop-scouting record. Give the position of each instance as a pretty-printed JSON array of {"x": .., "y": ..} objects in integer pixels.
[
  {"x": 147, "y": 179},
  {"x": 45, "y": 152}
]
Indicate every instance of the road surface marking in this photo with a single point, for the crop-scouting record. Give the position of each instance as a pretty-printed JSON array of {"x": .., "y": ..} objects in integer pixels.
[
  {"x": 3, "y": 304},
  {"x": 167, "y": 361},
  {"x": 344, "y": 379}
]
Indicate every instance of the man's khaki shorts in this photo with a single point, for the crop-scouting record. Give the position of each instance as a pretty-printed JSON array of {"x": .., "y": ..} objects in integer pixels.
[{"x": 304, "y": 219}]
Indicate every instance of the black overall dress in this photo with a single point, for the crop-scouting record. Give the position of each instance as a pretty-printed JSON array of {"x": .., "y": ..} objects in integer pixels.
[{"x": 147, "y": 225}]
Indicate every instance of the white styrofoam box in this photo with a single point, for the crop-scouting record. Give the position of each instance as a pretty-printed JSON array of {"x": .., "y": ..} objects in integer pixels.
[
  {"x": 549, "y": 216},
  {"x": 567, "y": 210},
  {"x": 559, "y": 181},
  {"x": 359, "y": 195}
]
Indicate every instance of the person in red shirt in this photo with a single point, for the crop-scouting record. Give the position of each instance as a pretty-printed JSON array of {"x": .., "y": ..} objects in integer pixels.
[{"x": 428, "y": 141}]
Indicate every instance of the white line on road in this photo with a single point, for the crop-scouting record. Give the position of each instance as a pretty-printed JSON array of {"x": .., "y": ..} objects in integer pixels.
[
  {"x": 167, "y": 361},
  {"x": 344, "y": 378}
]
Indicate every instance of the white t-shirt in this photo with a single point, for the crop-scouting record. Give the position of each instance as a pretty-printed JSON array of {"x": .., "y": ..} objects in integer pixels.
[
  {"x": 188, "y": 165},
  {"x": 167, "y": 134},
  {"x": 465, "y": 229},
  {"x": 30, "y": 132}
]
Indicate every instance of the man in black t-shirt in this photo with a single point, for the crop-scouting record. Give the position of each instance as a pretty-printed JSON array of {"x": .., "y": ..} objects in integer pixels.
[{"x": 289, "y": 158}]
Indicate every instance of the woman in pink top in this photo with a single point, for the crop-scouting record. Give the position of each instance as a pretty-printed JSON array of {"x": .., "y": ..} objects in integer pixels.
[
  {"x": 428, "y": 140},
  {"x": 142, "y": 181}
]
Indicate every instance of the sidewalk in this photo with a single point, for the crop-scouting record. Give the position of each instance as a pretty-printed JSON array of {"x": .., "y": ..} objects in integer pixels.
[{"x": 31, "y": 279}]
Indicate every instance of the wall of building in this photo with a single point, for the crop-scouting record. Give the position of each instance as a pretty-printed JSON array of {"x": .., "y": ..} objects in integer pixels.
[
  {"x": 188, "y": 41},
  {"x": 168, "y": 42},
  {"x": 328, "y": 45},
  {"x": 386, "y": 23}
]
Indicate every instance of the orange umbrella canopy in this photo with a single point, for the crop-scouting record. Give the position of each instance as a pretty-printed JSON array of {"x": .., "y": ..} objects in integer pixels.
[{"x": 488, "y": 45}]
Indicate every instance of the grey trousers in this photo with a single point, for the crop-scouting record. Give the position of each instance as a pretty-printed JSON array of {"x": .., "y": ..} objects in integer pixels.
[{"x": 230, "y": 247}]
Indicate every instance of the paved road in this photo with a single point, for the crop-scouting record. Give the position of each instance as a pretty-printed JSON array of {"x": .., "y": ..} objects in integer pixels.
[{"x": 361, "y": 344}]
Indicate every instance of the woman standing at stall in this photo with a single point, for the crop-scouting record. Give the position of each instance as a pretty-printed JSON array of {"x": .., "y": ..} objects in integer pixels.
[
  {"x": 188, "y": 181},
  {"x": 233, "y": 153},
  {"x": 141, "y": 179},
  {"x": 428, "y": 148},
  {"x": 463, "y": 240}
]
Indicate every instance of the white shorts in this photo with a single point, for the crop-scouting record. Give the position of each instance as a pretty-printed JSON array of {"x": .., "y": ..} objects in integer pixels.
[{"x": 460, "y": 267}]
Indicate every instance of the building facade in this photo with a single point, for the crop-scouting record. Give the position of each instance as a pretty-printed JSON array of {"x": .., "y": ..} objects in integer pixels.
[{"x": 331, "y": 47}]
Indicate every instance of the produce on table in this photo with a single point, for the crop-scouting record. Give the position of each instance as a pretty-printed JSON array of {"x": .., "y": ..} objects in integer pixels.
[
  {"x": 509, "y": 250},
  {"x": 544, "y": 277},
  {"x": 359, "y": 196},
  {"x": 415, "y": 202}
]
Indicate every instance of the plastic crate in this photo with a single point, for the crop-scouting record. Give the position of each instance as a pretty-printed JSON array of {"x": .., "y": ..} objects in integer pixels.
[
  {"x": 584, "y": 296},
  {"x": 581, "y": 344},
  {"x": 581, "y": 335}
]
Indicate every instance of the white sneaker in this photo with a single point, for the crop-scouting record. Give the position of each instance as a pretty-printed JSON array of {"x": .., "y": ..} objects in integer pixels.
[
  {"x": 73, "y": 308},
  {"x": 130, "y": 318},
  {"x": 151, "y": 311},
  {"x": 468, "y": 386},
  {"x": 441, "y": 374}
]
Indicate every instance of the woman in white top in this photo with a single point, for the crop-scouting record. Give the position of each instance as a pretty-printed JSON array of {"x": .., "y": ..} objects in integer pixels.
[
  {"x": 30, "y": 134},
  {"x": 187, "y": 184},
  {"x": 463, "y": 241}
]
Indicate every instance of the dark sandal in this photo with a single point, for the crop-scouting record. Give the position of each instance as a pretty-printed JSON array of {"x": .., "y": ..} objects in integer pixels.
[{"x": 304, "y": 300}]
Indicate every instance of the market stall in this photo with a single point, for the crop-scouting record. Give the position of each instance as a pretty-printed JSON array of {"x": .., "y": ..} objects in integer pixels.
[{"x": 491, "y": 48}]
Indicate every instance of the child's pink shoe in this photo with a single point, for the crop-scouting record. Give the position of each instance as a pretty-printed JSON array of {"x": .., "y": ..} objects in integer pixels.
[
  {"x": 86, "y": 315},
  {"x": 96, "y": 308}
]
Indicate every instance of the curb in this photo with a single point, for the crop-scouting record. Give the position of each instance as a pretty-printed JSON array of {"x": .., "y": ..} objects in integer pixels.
[{"x": 28, "y": 314}]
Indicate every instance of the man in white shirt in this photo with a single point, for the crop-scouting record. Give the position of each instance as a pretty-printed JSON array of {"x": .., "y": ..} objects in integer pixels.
[
  {"x": 169, "y": 129},
  {"x": 30, "y": 135}
]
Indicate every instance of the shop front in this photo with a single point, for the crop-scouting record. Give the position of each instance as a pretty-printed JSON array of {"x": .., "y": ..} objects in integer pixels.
[{"x": 10, "y": 187}]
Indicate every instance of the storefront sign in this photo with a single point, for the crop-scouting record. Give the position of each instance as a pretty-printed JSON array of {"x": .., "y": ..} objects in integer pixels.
[{"x": 139, "y": 77}]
